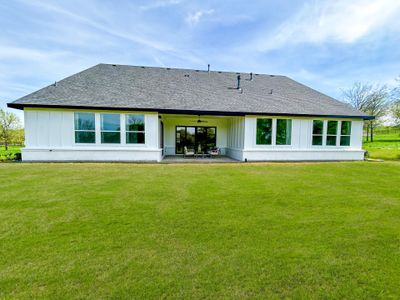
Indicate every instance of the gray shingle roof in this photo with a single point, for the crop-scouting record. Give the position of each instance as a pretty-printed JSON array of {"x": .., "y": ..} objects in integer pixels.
[{"x": 166, "y": 89}]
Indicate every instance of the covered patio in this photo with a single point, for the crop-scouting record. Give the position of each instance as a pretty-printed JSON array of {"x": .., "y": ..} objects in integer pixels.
[{"x": 172, "y": 159}]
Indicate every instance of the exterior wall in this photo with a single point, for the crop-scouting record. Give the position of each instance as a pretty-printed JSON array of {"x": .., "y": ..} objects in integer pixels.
[
  {"x": 171, "y": 121},
  {"x": 235, "y": 141},
  {"x": 301, "y": 147},
  {"x": 49, "y": 136}
]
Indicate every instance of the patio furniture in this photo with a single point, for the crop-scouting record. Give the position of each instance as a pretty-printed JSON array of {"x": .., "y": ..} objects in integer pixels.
[
  {"x": 214, "y": 152},
  {"x": 188, "y": 153}
]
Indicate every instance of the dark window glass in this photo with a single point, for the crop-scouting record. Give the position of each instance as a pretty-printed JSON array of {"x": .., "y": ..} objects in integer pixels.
[
  {"x": 264, "y": 132},
  {"x": 331, "y": 140},
  {"x": 110, "y": 137},
  {"x": 345, "y": 133},
  {"x": 345, "y": 140},
  {"x": 84, "y": 124},
  {"x": 134, "y": 122},
  {"x": 110, "y": 122},
  {"x": 318, "y": 129},
  {"x": 331, "y": 133},
  {"x": 211, "y": 138},
  {"x": 135, "y": 137},
  {"x": 180, "y": 139},
  {"x": 88, "y": 137},
  {"x": 332, "y": 127},
  {"x": 317, "y": 140},
  {"x": 346, "y": 128},
  {"x": 190, "y": 142},
  {"x": 84, "y": 121},
  {"x": 318, "y": 126},
  {"x": 283, "y": 132}
]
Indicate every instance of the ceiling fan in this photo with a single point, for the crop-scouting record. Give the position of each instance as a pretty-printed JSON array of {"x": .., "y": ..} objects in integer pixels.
[{"x": 199, "y": 120}]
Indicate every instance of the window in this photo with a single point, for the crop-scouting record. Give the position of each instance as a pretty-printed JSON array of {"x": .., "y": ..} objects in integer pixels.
[
  {"x": 318, "y": 130},
  {"x": 134, "y": 129},
  {"x": 264, "y": 132},
  {"x": 85, "y": 129},
  {"x": 331, "y": 133},
  {"x": 110, "y": 129},
  {"x": 345, "y": 133},
  {"x": 283, "y": 132}
]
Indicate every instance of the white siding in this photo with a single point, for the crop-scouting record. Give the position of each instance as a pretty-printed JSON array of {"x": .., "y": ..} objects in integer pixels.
[
  {"x": 235, "y": 137},
  {"x": 301, "y": 147},
  {"x": 50, "y": 136}
]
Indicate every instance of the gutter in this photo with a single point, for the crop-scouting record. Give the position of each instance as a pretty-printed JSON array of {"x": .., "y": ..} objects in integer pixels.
[{"x": 186, "y": 112}]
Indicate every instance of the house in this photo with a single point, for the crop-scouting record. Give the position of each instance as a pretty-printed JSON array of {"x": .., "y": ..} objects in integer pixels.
[{"x": 130, "y": 113}]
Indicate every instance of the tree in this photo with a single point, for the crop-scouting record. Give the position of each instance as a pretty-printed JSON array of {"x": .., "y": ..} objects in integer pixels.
[
  {"x": 395, "y": 111},
  {"x": 9, "y": 122},
  {"x": 395, "y": 108},
  {"x": 373, "y": 100}
]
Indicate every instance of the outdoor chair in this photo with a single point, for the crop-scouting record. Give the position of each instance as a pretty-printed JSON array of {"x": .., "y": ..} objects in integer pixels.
[
  {"x": 214, "y": 152},
  {"x": 187, "y": 153}
]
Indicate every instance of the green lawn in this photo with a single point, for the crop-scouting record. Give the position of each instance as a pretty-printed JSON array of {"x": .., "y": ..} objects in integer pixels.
[
  {"x": 384, "y": 146},
  {"x": 307, "y": 230}
]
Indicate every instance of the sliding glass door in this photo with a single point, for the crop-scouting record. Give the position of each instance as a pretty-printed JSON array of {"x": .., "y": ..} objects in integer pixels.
[{"x": 195, "y": 138}]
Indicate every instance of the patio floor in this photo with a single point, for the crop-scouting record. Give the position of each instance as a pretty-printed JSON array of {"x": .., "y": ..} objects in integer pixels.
[{"x": 207, "y": 160}]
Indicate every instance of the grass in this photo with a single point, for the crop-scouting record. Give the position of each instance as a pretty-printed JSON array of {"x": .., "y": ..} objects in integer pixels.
[
  {"x": 315, "y": 230},
  {"x": 385, "y": 146}
]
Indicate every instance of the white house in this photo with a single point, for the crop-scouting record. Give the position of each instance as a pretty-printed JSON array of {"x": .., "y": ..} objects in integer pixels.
[{"x": 129, "y": 113}]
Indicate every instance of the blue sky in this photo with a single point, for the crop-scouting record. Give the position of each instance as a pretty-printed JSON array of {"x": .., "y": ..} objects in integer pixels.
[{"x": 325, "y": 44}]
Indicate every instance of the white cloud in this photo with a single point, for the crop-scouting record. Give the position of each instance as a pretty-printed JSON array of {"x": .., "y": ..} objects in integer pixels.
[
  {"x": 104, "y": 27},
  {"x": 194, "y": 18},
  {"x": 159, "y": 4},
  {"x": 336, "y": 21}
]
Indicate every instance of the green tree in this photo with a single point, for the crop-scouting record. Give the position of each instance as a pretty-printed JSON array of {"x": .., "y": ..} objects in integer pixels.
[{"x": 9, "y": 122}]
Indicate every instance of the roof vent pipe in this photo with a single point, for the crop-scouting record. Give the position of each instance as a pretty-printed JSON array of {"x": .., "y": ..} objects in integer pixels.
[
  {"x": 251, "y": 76},
  {"x": 55, "y": 83},
  {"x": 238, "y": 82},
  {"x": 208, "y": 68},
  {"x": 271, "y": 91}
]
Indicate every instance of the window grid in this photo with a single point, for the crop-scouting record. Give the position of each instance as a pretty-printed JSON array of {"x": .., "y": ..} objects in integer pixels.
[
  {"x": 107, "y": 135},
  {"x": 82, "y": 138},
  {"x": 137, "y": 132},
  {"x": 345, "y": 133}
]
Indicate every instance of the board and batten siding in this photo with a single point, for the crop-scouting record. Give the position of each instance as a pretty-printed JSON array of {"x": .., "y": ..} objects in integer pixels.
[
  {"x": 301, "y": 148},
  {"x": 49, "y": 136}
]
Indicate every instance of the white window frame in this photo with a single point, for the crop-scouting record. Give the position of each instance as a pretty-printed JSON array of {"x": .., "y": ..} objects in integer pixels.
[
  {"x": 323, "y": 134},
  {"x": 82, "y": 130},
  {"x": 119, "y": 131},
  {"x": 335, "y": 135},
  {"x": 135, "y": 131},
  {"x": 340, "y": 133}
]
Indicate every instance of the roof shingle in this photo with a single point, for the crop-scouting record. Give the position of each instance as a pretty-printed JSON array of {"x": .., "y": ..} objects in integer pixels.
[{"x": 167, "y": 89}]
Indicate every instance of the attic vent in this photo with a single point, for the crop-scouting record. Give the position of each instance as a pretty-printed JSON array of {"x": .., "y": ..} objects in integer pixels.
[
  {"x": 168, "y": 68},
  {"x": 197, "y": 70},
  {"x": 114, "y": 65},
  {"x": 142, "y": 67},
  {"x": 219, "y": 72},
  {"x": 271, "y": 75},
  {"x": 186, "y": 75}
]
